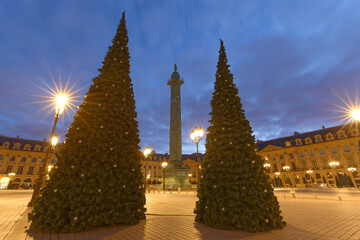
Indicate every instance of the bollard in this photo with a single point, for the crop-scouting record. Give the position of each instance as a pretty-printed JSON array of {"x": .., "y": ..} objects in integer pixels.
[
  {"x": 284, "y": 197},
  {"x": 315, "y": 196},
  {"x": 340, "y": 198},
  {"x": 293, "y": 193}
]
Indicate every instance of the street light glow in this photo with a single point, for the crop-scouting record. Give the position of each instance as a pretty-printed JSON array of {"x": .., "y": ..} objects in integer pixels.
[
  {"x": 54, "y": 141},
  {"x": 147, "y": 151},
  {"x": 309, "y": 171},
  {"x": 351, "y": 169},
  {"x": 356, "y": 114},
  {"x": 334, "y": 163},
  {"x": 61, "y": 101},
  {"x": 164, "y": 164}
]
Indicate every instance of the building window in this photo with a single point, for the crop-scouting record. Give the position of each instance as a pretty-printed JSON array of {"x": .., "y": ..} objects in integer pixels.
[
  {"x": 325, "y": 162},
  {"x": 31, "y": 170},
  {"x": 37, "y": 148},
  {"x": 12, "y": 158},
  {"x": 23, "y": 159},
  {"x": 281, "y": 157},
  {"x": 298, "y": 142},
  {"x": 318, "y": 138},
  {"x": 293, "y": 166},
  {"x": 302, "y": 154},
  {"x": 1, "y": 157},
  {"x": 273, "y": 158},
  {"x": 334, "y": 150},
  {"x": 304, "y": 165},
  {"x": 322, "y": 152},
  {"x": 42, "y": 160},
  {"x": 354, "y": 132},
  {"x": 27, "y": 147},
  {"x": 311, "y": 153},
  {"x": 291, "y": 155},
  {"x": 33, "y": 160},
  {"x": 346, "y": 148},
  {"x": 20, "y": 169},
  {"x": 350, "y": 160},
  {"x": 53, "y": 160},
  {"x": 287, "y": 144},
  {"x": 8, "y": 169},
  {"x": 341, "y": 134},
  {"x": 314, "y": 163},
  {"x": 329, "y": 136},
  {"x": 17, "y": 146},
  {"x": 275, "y": 167},
  {"x": 307, "y": 140},
  {"x": 6, "y": 145}
]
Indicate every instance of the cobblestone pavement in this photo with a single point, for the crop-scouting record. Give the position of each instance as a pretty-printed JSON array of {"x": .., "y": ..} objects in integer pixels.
[{"x": 170, "y": 217}]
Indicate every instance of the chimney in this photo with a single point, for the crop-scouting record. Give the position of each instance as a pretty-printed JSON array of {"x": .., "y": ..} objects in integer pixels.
[
  {"x": 17, "y": 136},
  {"x": 296, "y": 133},
  {"x": 44, "y": 139},
  {"x": 323, "y": 127}
]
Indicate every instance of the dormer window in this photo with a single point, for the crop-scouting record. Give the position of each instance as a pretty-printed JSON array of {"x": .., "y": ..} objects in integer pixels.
[
  {"x": 5, "y": 145},
  {"x": 27, "y": 147},
  {"x": 354, "y": 132},
  {"x": 298, "y": 142},
  {"x": 37, "y": 148},
  {"x": 329, "y": 136},
  {"x": 341, "y": 134},
  {"x": 318, "y": 138},
  {"x": 16, "y": 146},
  {"x": 287, "y": 144},
  {"x": 308, "y": 140}
]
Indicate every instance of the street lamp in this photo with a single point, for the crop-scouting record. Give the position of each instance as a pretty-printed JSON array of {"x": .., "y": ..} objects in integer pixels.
[
  {"x": 267, "y": 166},
  {"x": 146, "y": 152},
  {"x": 309, "y": 172},
  {"x": 61, "y": 101},
  {"x": 351, "y": 170},
  {"x": 11, "y": 176},
  {"x": 164, "y": 165},
  {"x": 335, "y": 164},
  {"x": 277, "y": 174},
  {"x": 287, "y": 168},
  {"x": 196, "y": 135}
]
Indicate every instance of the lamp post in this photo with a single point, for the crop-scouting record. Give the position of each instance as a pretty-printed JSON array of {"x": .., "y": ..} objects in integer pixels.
[
  {"x": 267, "y": 166},
  {"x": 11, "y": 176},
  {"x": 146, "y": 152},
  {"x": 286, "y": 169},
  {"x": 335, "y": 164},
  {"x": 196, "y": 135},
  {"x": 164, "y": 164},
  {"x": 309, "y": 172},
  {"x": 60, "y": 101},
  {"x": 351, "y": 170}
]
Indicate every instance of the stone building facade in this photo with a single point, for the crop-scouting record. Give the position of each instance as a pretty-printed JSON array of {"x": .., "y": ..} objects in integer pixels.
[{"x": 308, "y": 156}]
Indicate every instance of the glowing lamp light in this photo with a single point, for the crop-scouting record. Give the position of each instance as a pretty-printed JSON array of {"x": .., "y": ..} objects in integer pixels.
[
  {"x": 266, "y": 165},
  {"x": 356, "y": 114},
  {"x": 54, "y": 141},
  {"x": 49, "y": 168},
  {"x": 277, "y": 173},
  {"x": 147, "y": 151},
  {"x": 351, "y": 169},
  {"x": 190, "y": 174},
  {"x": 309, "y": 171},
  {"x": 148, "y": 176},
  {"x": 12, "y": 174},
  {"x": 197, "y": 134},
  {"x": 164, "y": 164},
  {"x": 61, "y": 101},
  {"x": 286, "y": 168},
  {"x": 334, "y": 164}
]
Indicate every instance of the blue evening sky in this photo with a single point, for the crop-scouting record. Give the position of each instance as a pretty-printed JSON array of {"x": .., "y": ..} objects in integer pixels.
[{"x": 290, "y": 60}]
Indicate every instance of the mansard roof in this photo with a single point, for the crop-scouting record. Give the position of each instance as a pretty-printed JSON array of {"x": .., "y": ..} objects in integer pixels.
[
  {"x": 280, "y": 142},
  {"x": 22, "y": 141}
]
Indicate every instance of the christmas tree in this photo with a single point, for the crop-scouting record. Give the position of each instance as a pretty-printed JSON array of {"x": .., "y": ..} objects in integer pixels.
[
  {"x": 235, "y": 192},
  {"x": 97, "y": 179}
]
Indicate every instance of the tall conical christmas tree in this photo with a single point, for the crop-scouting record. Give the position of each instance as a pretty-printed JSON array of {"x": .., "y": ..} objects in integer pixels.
[
  {"x": 235, "y": 192},
  {"x": 97, "y": 179}
]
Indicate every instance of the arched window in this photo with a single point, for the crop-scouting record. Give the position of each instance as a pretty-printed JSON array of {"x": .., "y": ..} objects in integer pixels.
[
  {"x": 16, "y": 146},
  {"x": 329, "y": 136},
  {"x": 308, "y": 140},
  {"x": 287, "y": 144},
  {"x": 37, "y": 148},
  {"x": 6, "y": 145},
  {"x": 27, "y": 147},
  {"x": 298, "y": 142},
  {"x": 318, "y": 138},
  {"x": 341, "y": 134}
]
